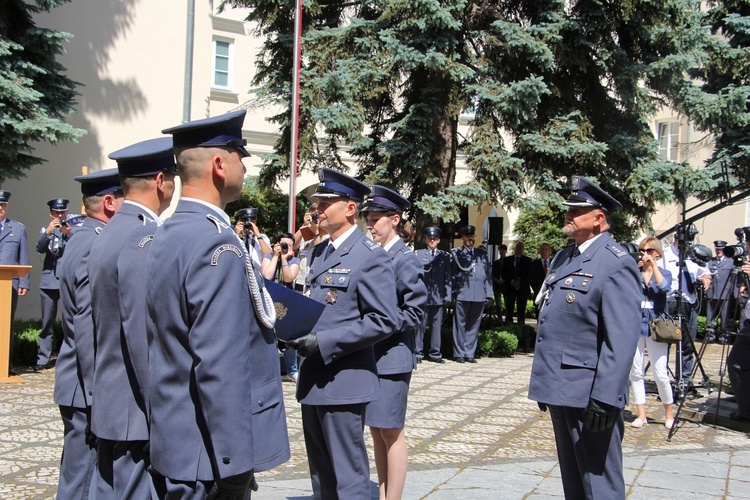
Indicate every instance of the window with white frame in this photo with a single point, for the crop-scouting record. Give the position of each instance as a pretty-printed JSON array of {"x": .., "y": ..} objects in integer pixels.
[
  {"x": 223, "y": 61},
  {"x": 668, "y": 134}
]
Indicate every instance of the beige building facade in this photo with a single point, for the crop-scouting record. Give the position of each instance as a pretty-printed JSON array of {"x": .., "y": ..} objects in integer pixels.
[{"x": 131, "y": 59}]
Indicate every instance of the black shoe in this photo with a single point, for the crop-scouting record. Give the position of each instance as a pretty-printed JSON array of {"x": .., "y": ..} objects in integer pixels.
[
  {"x": 471, "y": 360},
  {"x": 436, "y": 360},
  {"x": 735, "y": 415},
  {"x": 459, "y": 360},
  {"x": 419, "y": 360}
]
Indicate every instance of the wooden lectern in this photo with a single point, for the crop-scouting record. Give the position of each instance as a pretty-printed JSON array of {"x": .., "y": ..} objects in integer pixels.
[{"x": 7, "y": 273}]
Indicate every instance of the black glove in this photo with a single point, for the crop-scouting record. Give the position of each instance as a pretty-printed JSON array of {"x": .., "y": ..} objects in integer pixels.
[
  {"x": 233, "y": 487},
  {"x": 599, "y": 416},
  {"x": 89, "y": 437},
  {"x": 306, "y": 345},
  {"x": 488, "y": 303},
  {"x": 542, "y": 406}
]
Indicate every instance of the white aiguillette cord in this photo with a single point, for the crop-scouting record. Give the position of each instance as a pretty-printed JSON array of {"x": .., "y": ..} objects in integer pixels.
[{"x": 261, "y": 299}]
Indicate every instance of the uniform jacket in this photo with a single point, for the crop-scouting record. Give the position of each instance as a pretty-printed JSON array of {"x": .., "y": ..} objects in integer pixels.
[
  {"x": 217, "y": 407},
  {"x": 14, "y": 249},
  {"x": 472, "y": 277},
  {"x": 720, "y": 272},
  {"x": 437, "y": 275},
  {"x": 117, "y": 274},
  {"x": 588, "y": 327},
  {"x": 357, "y": 285},
  {"x": 396, "y": 353},
  {"x": 52, "y": 247},
  {"x": 522, "y": 272},
  {"x": 74, "y": 369}
]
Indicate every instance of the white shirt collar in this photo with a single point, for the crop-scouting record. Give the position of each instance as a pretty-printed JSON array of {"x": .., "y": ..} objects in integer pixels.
[
  {"x": 148, "y": 211},
  {"x": 213, "y": 207},
  {"x": 583, "y": 246},
  {"x": 338, "y": 241},
  {"x": 388, "y": 245}
]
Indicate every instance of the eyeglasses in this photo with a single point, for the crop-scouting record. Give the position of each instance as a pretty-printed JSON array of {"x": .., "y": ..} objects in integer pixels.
[{"x": 648, "y": 250}]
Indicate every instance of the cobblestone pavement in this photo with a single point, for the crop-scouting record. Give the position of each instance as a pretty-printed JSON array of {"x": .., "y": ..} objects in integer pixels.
[{"x": 470, "y": 428}]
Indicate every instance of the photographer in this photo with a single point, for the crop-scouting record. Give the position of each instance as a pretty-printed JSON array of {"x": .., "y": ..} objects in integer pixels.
[
  {"x": 282, "y": 267},
  {"x": 305, "y": 239},
  {"x": 246, "y": 227},
  {"x": 738, "y": 361}
]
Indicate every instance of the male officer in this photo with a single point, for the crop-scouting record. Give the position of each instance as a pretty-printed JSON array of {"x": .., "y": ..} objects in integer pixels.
[
  {"x": 117, "y": 275},
  {"x": 14, "y": 249},
  {"x": 719, "y": 293},
  {"x": 51, "y": 244},
  {"x": 217, "y": 408},
  {"x": 498, "y": 285},
  {"x": 74, "y": 370},
  {"x": 437, "y": 278},
  {"x": 589, "y": 325},
  {"x": 354, "y": 277},
  {"x": 516, "y": 276},
  {"x": 472, "y": 289}
]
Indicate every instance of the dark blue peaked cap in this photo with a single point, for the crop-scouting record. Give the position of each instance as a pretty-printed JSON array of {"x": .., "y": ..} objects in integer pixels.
[
  {"x": 217, "y": 131},
  {"x": 334, "y": 184},
  {"x": 100, "y": 183},
  {"x": 4, "y": 196},
  {"x": 585, "y": 193},
  {"x": 146, "y": 158},
  {"x": 246, "y": 213},
  {"x": 382, "y": 199},
  {"x": 466, "y": 231},
  {"x": 432, "y": 232},
  {"x": 58, "y": 204}
]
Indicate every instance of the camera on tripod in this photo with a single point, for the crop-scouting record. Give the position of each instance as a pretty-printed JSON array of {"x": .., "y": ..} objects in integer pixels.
[
  {"x": 739, "y": 250},
  {"x": 700, "y": 254}
]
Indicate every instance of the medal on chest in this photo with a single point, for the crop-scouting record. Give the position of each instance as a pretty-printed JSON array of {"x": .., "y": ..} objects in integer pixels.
[{"x": 331, "y": 296}]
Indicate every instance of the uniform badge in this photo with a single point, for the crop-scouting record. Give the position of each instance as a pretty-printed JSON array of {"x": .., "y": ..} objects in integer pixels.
[
  {"x": 570, "y": 298},
  {"x": 342, "y": 279},
  {"x": 568, "y": 282},
  {"x": 584, "y": 282},
  {"x": 221, "y": 250},
  {"x": 331, "y": 296},
  {"x": 327, "y": 280}
]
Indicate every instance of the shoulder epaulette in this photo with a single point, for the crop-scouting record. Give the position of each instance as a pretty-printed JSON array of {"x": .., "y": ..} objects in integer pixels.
[
  {"x": 220, "y": 224},
  {"x": 370, "y": 244},
  {"x": 616, "y": 249}
]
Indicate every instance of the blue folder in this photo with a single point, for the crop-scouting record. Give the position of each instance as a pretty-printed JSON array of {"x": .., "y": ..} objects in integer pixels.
[{"x": 296, "y": 315}]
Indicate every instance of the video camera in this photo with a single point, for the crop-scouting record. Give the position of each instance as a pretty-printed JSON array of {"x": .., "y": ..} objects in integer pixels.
[{"x": 739, "y": 250}]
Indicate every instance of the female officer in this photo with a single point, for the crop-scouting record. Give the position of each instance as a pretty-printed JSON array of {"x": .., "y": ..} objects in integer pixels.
[{"x": 395, "y": 354}]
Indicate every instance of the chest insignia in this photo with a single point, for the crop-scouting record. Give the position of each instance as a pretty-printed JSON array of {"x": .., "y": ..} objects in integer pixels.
[
  {"x": 331, "y": 296},
  {"x": 327, "y": 280},
  {"x": 342, "y": 279},
  {"x": 570, "y": 298},
  {"x": 569, "y": 281}
]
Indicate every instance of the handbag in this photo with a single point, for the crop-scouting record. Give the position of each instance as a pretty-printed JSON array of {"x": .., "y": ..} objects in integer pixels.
[{"x": 665, "y": 329}]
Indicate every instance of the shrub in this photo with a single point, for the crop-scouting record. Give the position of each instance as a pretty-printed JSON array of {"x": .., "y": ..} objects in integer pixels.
[
  {"x": 702, "y": 326},
  {"x": 530, "y": 308},
  {"x": 500, "y": 343},
  {"x": 25, "y": 342}
]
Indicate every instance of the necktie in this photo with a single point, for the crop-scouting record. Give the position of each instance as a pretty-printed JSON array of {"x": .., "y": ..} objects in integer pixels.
[
  {"x": 544, "y": 262},
  {"x": 329, "y": 251},
  {"x": 432, "y": 252}
]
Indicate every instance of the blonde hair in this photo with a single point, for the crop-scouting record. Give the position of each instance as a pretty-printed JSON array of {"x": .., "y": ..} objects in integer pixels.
[{"x": 654, "y": 242}]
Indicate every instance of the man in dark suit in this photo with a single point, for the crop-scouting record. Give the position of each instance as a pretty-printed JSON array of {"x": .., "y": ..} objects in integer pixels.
[
  {"x": 472, "y": 290},
  {"x": 74, "y": 370},
  {"x": 353, "y": 276},
  {"x": 540, "y": 268},
  {"x": 589, "y": 325},
  {"x": 498, "y": 285},
  {"x": 217, "y": 408},
  {"x": 516, "y": 276},
  {"x": 51, "y": 244},
  {"x": 117, "y": 275},
  {"x": 14, "y": 249},
  {"x": 437, "y": 278},
  {"x": 719, "y": 293}
]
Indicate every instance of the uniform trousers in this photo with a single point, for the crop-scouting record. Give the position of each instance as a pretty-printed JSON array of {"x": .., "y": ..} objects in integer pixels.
[
  {"x": 466, "y": 320},
  {"x": 172, "y": 489},
  {"x": 336, "y": 451},
  {"x": 657, "y": 353},
  {"x": 50, "y": 298},
  {"x": 738, "y": 367},
  {"x": 121, "y": 470},
  {"x": 590, "y": 462},
  {"x": 433, "y": 316},
  {"x": 78, "y": 459}
]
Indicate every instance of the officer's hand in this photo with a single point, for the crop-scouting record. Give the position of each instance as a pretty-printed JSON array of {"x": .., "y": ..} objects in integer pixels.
[
  {"x": 542, "y": 406},
  {"x": 233, "y": 487},
  {"x": 599, "y": 416},
  {"x": 306, "y": 345},
  {"x": 89, "y": 437}
]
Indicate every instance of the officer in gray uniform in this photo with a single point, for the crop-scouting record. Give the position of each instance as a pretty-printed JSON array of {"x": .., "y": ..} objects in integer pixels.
[
  {"x": 437, "y": 277},
  {"x": 472, "y": 290},
  {"x": 589, "y": 325},
  {"x": 74, "y": 370},
  {"x": 217, "y": 408},
  {"x": 353, "y": 276},
  {"x": 14, "y": 249},
  {"x": 51, "y": 244},
  {"x": 117, "y": 275},
  {"x": 719, "y": 293}
]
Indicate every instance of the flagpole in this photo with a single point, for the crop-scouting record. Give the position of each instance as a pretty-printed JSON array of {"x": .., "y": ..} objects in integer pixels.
[{"x": 294, "y": 142}]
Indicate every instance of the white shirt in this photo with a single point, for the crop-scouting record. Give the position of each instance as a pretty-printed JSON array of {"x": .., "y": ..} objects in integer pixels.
[{"x": 670, "y": 262}]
